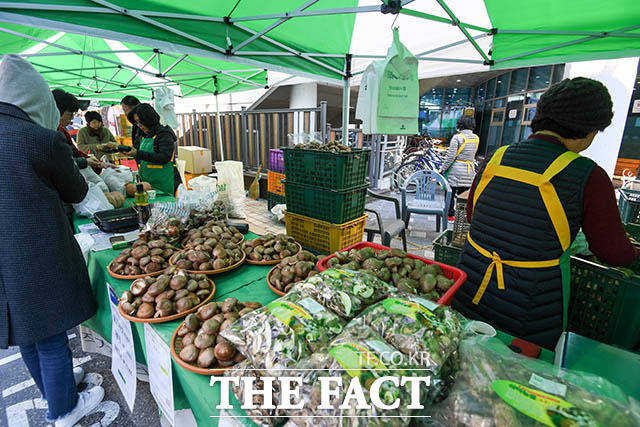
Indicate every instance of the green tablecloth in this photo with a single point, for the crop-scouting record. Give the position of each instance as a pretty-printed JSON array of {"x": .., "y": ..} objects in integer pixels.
[{"x": 248, "y": 282}]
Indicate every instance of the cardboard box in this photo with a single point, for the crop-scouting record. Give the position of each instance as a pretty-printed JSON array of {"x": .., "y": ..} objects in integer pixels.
[{"x": 198, "y": 159}]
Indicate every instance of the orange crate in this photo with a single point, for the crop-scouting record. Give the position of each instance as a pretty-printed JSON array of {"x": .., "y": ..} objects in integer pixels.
[
  {"x": 273, "y": 183},
  {"x": 323, "y": 236}
]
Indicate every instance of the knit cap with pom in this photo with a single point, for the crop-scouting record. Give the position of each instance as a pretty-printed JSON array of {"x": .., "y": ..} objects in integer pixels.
[{"x": 574, "y": 108}]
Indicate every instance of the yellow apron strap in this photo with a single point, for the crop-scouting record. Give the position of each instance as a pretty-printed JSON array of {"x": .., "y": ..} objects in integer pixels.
[
  {"x": 497, "y": 262},
  {"x": 465, "y": 139},
  {"x": 489, "y": 172},
  {"x": 552, "y": 201}
]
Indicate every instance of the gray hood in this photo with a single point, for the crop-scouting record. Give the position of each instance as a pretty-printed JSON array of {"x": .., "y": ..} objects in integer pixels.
[{"x": 22, "y": 86}]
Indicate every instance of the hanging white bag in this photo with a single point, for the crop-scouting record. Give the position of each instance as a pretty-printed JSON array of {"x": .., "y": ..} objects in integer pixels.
[
  {"x": 389, "y": 93},
  {"x": 231, "y": 187}
]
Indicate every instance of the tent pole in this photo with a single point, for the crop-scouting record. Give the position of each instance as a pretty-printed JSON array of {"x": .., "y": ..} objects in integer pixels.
[
  {"x": 345, "y": 100},
  {"x": 219, "y": 129}
]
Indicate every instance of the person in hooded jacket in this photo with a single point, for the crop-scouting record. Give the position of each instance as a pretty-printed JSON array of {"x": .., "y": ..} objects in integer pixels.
[
  {"x": 44, "y": 283},
  {"x": 156, "y": 153},
  {"x": 526, "y": 206}
]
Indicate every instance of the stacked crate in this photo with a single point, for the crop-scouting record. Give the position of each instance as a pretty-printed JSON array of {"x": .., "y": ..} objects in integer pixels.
[
  {"x": 275, "y": 187},
  {"x": 325, "y": 195}
]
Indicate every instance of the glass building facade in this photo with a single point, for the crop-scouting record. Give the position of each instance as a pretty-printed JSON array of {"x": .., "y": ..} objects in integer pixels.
[{"x": 504, "y": 105}]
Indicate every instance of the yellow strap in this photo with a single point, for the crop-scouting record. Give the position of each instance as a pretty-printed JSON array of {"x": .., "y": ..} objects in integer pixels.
[
  {"x": 465, "y": 139},
  {"x": 497, "y": 262},
  {"x": 489, "y": 172},
  {"x": 542, "y": 181},
  {"x": 469, "y": 164},
  {"x": 149, "y": 166}
]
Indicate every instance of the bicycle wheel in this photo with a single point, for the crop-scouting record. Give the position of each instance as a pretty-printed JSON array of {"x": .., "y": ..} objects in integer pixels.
[{"x": 404, "y": 171}]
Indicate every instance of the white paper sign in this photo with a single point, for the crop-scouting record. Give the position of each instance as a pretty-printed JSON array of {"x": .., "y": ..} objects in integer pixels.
[
  {"x": 548, "y": 385},
  {"x": 513, "y": 113},
  {"x": 636, "y": 106},
  {"x": 160, "y": 377},
  {"x": 123, "y": 361}
]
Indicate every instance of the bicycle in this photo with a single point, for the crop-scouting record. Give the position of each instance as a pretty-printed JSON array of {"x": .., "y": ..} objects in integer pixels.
[{"x": 415, "y": 161}]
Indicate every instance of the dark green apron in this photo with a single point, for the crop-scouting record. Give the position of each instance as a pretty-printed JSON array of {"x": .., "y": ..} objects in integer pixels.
[{"x": 159, "y": 176}]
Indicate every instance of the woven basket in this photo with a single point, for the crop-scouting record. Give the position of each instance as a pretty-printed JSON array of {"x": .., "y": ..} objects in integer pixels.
[{"x": 460, "y": 224}]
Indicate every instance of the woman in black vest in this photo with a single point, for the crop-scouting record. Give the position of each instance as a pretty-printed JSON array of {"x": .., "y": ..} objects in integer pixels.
[{"x": 528, "y": 201}]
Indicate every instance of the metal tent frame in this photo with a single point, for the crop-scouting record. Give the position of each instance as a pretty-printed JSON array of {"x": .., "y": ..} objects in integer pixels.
[{"x": 18, "y": 12}]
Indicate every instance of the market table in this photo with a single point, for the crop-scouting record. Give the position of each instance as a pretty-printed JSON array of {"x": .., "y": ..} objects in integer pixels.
[{"x": 191, "y": 390}]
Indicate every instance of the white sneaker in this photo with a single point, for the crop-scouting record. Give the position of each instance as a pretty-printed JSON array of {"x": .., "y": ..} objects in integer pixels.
[
  {"x": 87, "y": 401},
  {"x": 78, "y": 375}
]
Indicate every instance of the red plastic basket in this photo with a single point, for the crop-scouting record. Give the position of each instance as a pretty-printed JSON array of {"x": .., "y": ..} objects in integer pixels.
[{"x": 448, "y": 271}]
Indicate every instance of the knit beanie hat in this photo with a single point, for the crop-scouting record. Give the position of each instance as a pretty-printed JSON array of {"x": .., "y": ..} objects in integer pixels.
[{"x": 574, "y": 108}]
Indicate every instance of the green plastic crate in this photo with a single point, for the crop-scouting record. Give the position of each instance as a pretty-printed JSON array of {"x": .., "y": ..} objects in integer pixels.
[
  {"x": 629, "y": 205},
  {"x": 604, "y": 304},
  {"x": 327, "y": 169},
  {"x": 334, "y": 206},
  {"x": 275, "y": 199},
  {"x": 443, "y": 251},
  {"x": 633, "y": 230}
]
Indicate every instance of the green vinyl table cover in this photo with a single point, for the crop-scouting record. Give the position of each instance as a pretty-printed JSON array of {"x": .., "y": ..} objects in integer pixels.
[{"x": 248, "y": 282}]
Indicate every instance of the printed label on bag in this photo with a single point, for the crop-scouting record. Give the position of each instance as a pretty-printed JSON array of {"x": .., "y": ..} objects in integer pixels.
[
  {"x": 384, "y": 350},
  {"x": 404, "y": 307},
  {"x": 548, "y": 385},
  {"x": 311, "y": 305},
  {"x": 546, "y": 408},
  {"x": 354, "y": 358},
  {"x": 286, "y": 312}
]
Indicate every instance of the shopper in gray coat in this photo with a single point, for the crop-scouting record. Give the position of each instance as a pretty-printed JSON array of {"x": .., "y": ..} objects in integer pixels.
[
  {"x": 459, "y": 167},
  {"x": 44, "y": 284}
]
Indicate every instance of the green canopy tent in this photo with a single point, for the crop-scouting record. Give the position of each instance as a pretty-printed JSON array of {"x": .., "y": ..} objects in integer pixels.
[{"x": 336, "y": 39}]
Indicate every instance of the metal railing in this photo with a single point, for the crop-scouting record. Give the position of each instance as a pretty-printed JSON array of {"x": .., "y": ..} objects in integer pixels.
[{"x": 248, "y": 135}]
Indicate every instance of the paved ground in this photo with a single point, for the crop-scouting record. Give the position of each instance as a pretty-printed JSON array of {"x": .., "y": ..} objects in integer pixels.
[{"x": 22, "y": 405}]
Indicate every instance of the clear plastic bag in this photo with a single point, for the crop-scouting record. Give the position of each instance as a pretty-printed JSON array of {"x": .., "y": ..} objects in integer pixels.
[
  {"x": 497, "y": 387},
  {"x": 281, "y": 333},
  {"x": 168, "y": 220},
  {"x": 94, "y": 201},
  {"x": 357, "y": 352},
  {"x": 345, "y": 292}
]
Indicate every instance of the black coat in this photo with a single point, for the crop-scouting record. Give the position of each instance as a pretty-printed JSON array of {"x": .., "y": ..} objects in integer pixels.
[{"x": 44, "y": 284}]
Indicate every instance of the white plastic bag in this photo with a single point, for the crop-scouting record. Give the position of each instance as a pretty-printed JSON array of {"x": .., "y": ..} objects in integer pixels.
[
  {"x": 117, "y": 178},
  {"x": 91, "y": 177},
  {"x": 278, "y": 211},
  {"x": 165, "y": 107},
  {"x": 389, "y": 93},
  {"x": 231, "y": 187},
  {"x": 94, "y": 201}
]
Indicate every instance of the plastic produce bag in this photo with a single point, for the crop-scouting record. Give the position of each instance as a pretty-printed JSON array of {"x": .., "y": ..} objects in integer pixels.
[
  {"x": 117, "y": 178},
  {"x": 496, "y": 387},
  {"x": 92, "y": 177},
  {"x": 279, "y": 334},
  {"x": 426, "y": 332},
  {"x": 168, "y": 220},
  {"x": 262, "y": 417},
  {"x": 231, "y": 183},
  {"x": 357, "y": 352},
  {"x": 94, "y": 201},
  {"x": 345, "y": 292}
]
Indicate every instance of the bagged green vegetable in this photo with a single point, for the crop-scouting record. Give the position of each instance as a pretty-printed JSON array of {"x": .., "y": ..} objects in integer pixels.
[
  {"x": 279, "y": 334},
  {"x": 426, "y": 332},
  {"x": 259, "y": 415},
  {"x": 358, "y": 352},
  {"x": 496, "y": 387},
  {"x": 345, "y": 292}
]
